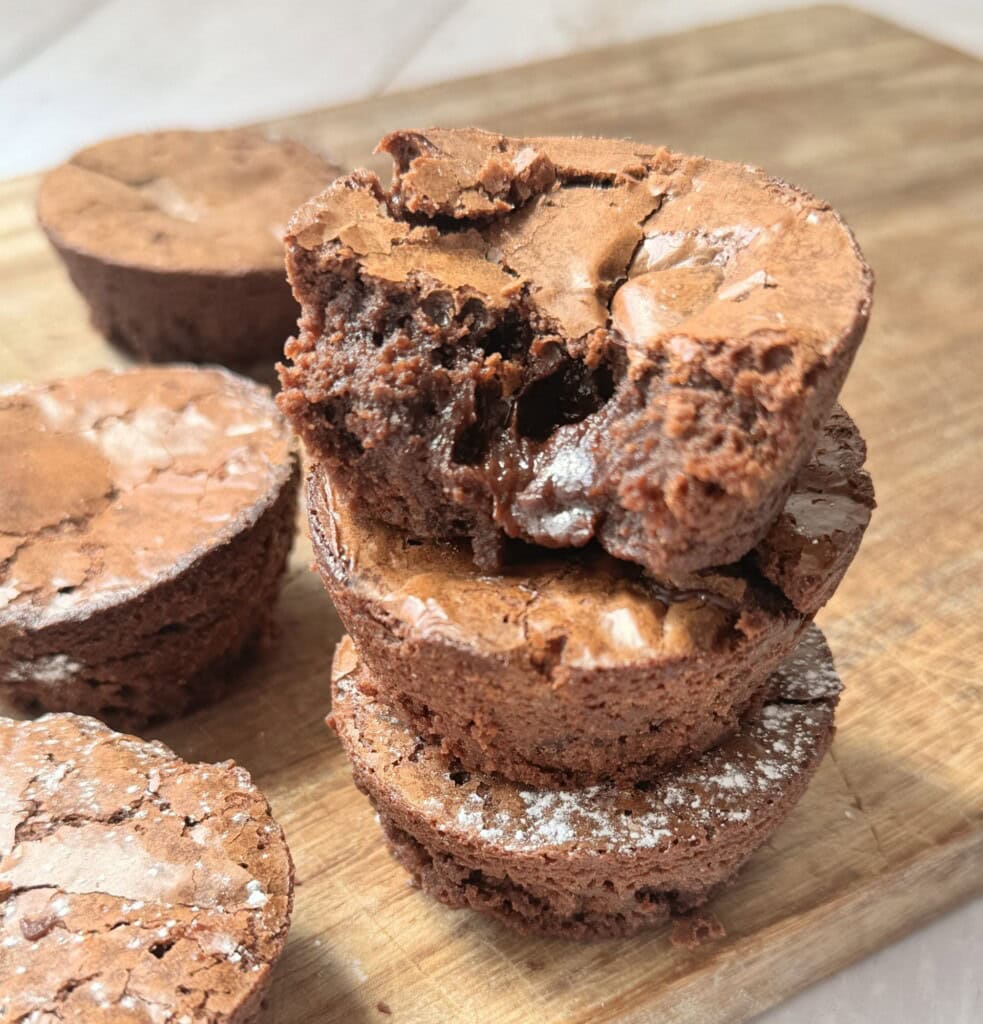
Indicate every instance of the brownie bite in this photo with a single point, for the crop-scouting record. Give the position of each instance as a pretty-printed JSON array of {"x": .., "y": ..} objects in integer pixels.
[
  {"x": 596, "y": 860},
  {"x": 174, "y": 240},
  {"x": 566, "y": 340},
  {"x": 134, "y": 886},
  {"x": 570, "y": 666},
  {"x": 145, "y": 522}
]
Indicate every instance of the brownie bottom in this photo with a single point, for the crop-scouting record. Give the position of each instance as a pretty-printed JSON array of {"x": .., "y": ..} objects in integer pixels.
[
  {"x": 171, "y": 649},
  {"x": 557, "y": 915}
]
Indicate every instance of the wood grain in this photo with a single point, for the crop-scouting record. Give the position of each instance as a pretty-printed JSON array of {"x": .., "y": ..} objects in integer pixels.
[{"x": 889, "y": 127}]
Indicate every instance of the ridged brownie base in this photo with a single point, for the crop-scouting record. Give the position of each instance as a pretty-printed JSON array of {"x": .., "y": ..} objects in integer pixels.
[
  {"x": 170, "y": 649},
  {"x": 571, "y": 667}
]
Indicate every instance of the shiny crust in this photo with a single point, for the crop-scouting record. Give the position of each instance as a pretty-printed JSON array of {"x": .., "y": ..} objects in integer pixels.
[
  {"x": 145, "y": 524},
  {"x": 133, "y": 884}
]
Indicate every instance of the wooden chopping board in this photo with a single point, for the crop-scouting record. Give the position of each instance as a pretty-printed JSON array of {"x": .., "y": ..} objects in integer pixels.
[{"x": 889, "y": 127}]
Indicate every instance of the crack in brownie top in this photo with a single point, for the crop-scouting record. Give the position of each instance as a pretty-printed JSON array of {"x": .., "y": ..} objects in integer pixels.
[
  {"x": 133, "y": 885},
  {"x": 562, "y": 339},
  {"x": 116, "y": 481}
]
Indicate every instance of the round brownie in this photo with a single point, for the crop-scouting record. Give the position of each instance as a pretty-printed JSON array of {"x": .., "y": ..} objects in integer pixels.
[
  {"x": 133, "y": 886},
  {"x": 145, "y": 522},
  {"x": 596, "y": 860},
  {"x": 572, "y": 666},
  {"x": 174, "y": 240},
  {"x": 565, "y": 339}
]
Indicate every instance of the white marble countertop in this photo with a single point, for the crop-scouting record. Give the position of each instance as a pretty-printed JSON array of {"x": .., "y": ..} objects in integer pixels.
[{"x": 86, "y": 69}]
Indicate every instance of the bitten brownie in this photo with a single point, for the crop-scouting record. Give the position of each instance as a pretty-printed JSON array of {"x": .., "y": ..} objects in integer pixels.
[
  {"x": 564, "y": 339},
  {"x": 133, "y": 886},
  {"x": 571, "y": 666},
  {"x": 174, "y": 240},
  {"x": 597, "y": 860},
  {"x": 145, "y": 522}
]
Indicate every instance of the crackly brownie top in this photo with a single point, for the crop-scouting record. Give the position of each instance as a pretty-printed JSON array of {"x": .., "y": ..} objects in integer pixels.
[
  {"x": 182, "y": 200},
  {"x": 114, "y": 481},
  {"x": 591, "y": 609},
  {"x": 133, "y": 885},
  {"x": 667, "y": 248},
  {"x": 712, "y": 798}
]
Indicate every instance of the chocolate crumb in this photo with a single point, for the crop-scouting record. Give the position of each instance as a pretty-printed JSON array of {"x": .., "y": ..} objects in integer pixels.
[
  {"x": 695, "y": 929},
  {"x": 34, "y": 928}
]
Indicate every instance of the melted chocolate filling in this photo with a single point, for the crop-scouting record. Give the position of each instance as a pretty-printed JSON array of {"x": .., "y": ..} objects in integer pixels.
[{"x": 669, "y": 595}]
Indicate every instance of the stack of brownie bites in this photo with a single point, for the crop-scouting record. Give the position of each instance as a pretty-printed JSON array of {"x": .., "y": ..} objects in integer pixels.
[{"x": 579, "y": 485}]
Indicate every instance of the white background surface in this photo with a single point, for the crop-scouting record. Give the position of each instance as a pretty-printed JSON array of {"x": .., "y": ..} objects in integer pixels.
[
  {"x": 85, "y": 69},
  {"x": 75, "y": 71}
]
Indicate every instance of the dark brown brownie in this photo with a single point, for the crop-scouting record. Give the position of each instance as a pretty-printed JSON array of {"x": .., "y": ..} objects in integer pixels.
[
  {"x": 596, "y": 860},
  {"x": 565, "y": 339},
  {"x": 133, "y": 886},
  {"x": 571, "y": 666},
  {"x": 174, "y": 240},
  {"x": 145, "y": 522}
]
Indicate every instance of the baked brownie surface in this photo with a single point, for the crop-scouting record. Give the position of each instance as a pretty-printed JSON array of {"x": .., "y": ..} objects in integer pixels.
[
  {"x": 596, "y": 860},
  {"x": 809, "y": 547},
  {"x": 145, "y": 520},
  {"x": 133, "y": 886},
  {"x": 567, "y": 339},
  {"x": 174, "y": 238},
  {"x": 572, "y": 666}
]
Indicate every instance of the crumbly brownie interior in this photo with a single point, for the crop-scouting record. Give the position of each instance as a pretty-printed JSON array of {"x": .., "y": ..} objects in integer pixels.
[
  {"x": 566, "y": 339},
  {"x": 479, "y": 393}
]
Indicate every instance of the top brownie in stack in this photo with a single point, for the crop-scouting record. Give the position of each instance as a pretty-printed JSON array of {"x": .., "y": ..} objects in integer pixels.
[{"x": 566, "y": 339}]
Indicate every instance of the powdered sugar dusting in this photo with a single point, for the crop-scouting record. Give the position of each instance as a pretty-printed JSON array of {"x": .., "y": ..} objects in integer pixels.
[
  {"x": 48, "y": 670},
  {"x": 808, "y": 673}
]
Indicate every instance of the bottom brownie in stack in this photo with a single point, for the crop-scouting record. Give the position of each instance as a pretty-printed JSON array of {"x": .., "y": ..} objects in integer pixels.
[{"x": 599, "y": 860}]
